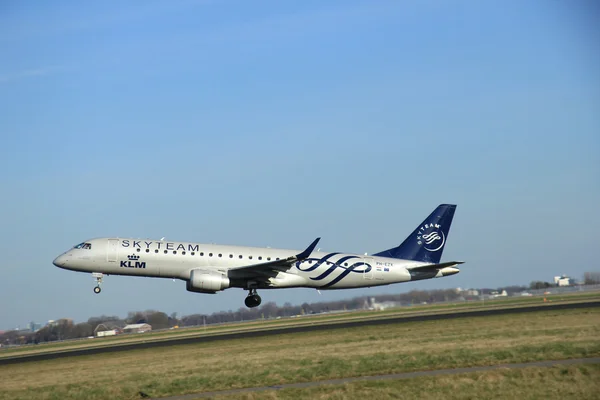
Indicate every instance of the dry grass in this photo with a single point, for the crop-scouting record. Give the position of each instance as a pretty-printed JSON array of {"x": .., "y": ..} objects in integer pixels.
[
  {"x": 571, "y": 382},
  {"x": 310, "y": 356}
]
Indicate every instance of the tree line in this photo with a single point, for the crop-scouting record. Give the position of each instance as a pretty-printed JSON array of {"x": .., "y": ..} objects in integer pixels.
[{"x": 65, "y": 329}]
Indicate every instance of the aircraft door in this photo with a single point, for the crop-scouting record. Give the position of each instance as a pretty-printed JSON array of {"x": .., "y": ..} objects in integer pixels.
[
  {"x": 112, "y": 249},
  {"x": 368, "y": 272}
]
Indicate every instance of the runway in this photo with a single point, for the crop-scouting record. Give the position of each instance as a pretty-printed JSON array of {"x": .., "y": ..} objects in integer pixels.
[
  {"x": 403, "y": 375},
  {"x": 288, "y": 329}
]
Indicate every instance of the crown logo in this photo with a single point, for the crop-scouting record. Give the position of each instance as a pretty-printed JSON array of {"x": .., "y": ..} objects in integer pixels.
[{"x": 133, "y": 257}]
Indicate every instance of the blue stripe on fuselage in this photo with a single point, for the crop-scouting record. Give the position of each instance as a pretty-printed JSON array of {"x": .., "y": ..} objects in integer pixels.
[{"x": 337, "y": 264}]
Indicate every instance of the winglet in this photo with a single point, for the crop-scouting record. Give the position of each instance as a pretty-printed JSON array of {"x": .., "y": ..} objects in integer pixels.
[{"x": 306, "y": 253}]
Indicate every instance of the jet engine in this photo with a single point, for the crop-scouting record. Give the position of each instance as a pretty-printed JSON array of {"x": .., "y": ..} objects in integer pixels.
[{"x": 203, "y": 281}]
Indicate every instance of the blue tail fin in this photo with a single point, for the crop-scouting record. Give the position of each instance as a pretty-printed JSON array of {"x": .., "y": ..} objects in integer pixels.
[{"x": 427, "y": 242}]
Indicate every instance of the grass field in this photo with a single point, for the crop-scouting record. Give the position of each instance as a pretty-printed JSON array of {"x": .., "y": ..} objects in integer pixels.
[
  {"x": 556, "y": 383},
  {"x": 330, "y": 354},
  {"x": 304, "y": 320}
]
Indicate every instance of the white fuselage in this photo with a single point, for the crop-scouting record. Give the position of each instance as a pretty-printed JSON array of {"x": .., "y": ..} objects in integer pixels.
[{"x": 166, "y": 259}]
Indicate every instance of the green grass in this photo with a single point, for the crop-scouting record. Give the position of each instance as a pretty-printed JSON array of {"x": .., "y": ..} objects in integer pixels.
[
  {"x": 303, "y": 357},
  {"x": 312, "y": 319},
  {"x": 569, "y": 382}
]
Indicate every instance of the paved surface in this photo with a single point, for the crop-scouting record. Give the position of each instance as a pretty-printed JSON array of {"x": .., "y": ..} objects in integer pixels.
[
  {"x": 290, "y": 329},
  {"x": 404, "y": 375}
]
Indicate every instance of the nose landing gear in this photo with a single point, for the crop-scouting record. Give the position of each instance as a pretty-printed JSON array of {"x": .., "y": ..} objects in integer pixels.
[
  {"x": 253, "y": 299},
  {"x": 98, "y": 276}
]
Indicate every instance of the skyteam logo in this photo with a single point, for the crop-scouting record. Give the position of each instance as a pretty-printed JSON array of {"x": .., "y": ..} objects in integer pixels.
[
  {"x": 431, "y": 237},
  {"x": 343, "y": 266}
]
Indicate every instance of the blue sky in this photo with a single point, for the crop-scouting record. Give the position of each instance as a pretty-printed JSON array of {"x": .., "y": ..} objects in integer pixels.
[{"x": 270, "y": 123}]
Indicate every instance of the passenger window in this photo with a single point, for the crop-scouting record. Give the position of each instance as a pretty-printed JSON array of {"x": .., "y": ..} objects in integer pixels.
[
  {"x": 277, "y": 259},
  {"x": 260, "y": 257},
  {"x": 241, "y": 256},
  {"x": 147, "y": 250},
  {"x": 183, "y": 253},
  {"x": 231, "y": 256},
  {"x": 250, "y": 257},
  {"x": 220, "y": 255},
  {"x": 268, "y": 258},
  {"x": 345, "y": 264},
  {"x": 201, "y": 254},
  {"x": 165, "y": 252},
  {"x": 174, "y": 251},
  {"x": 193, "y": 253},
  {"x": 138, "y": 250},
  {"x": 210, "y": 254},
  {"x": 156, "y": 251}
]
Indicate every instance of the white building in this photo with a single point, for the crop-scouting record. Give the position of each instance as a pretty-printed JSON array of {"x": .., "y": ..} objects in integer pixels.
[
  {"x": 111, "y": 332},
  {"x": 137, "y": 328},
  {"x": 563, "y": 280},
  {"x": 374, "y": 305}
]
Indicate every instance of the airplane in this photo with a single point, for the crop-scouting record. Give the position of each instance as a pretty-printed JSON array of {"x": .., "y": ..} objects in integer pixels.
[{"x": 210, "y": 268}]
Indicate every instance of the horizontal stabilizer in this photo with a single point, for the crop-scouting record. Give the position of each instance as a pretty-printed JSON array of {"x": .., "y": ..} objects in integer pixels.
[{"x": 435, "y": 266}]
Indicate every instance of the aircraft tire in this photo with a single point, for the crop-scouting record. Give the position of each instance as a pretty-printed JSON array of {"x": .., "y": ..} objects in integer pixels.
[
  {"x": 97, "y": 289},
  {"x": 252, "y": 301}
]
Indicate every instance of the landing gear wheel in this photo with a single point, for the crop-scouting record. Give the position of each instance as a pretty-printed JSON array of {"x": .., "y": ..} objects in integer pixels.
[
  {"x": 98, "y": 277},
  {"x": 252, "y": 300}
]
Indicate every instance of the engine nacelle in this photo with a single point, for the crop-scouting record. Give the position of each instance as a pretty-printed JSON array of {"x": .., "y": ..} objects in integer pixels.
[{"x": 203, "y": 281}]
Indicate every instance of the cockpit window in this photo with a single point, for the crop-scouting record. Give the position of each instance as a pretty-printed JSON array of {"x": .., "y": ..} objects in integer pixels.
[{"x": 86, "y": 246}]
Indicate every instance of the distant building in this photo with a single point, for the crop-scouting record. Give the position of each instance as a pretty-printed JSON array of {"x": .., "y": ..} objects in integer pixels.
[
  {"x": 137, "y": 328},
  {"x": 67, "y": 321},
  {"x": 33, "y": 327},
  {"x": 106, "y": 329},
  {"x": 111, "y": 332},
  {"x": 563, "y": 280},
  {"x": 374, "y": 305}
]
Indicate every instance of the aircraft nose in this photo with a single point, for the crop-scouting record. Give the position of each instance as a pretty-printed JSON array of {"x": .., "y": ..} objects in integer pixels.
[{"x": 61, "y": 260}]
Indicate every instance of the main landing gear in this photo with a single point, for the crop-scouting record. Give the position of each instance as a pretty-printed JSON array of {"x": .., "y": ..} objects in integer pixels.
[
  {"x": 253, "y": 299},
  {"x": 98, "y": 276}
]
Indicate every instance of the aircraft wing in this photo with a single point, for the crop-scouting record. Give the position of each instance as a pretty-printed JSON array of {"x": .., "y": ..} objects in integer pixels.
[
  {"x": 435, "y": 266},
  {"x": 271, "y": 268}
]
